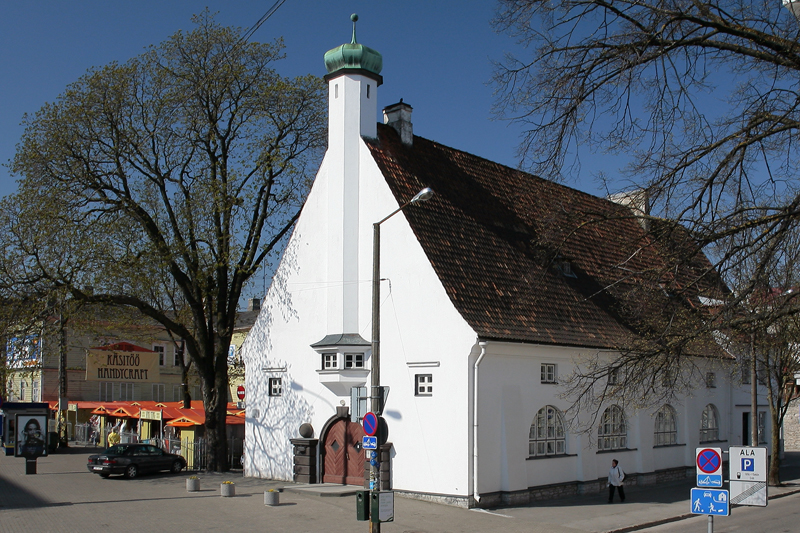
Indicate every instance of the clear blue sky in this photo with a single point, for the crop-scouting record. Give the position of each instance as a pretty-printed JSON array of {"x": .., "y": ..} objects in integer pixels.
[{"x": 437, "y": 56}]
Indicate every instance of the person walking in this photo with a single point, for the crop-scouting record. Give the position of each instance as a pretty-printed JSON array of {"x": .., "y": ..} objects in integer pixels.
[{"x": 615, "y": 477}]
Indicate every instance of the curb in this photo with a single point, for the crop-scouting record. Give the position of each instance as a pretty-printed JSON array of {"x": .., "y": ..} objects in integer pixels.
[{"x": 678, "y": 518}]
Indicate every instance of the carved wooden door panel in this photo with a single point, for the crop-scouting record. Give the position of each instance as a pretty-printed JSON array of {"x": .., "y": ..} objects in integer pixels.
[{"x": 344, "y": 458}]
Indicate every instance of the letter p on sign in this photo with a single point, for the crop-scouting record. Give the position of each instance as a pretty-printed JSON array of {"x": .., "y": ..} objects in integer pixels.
[{"x": 748, "y": 465}]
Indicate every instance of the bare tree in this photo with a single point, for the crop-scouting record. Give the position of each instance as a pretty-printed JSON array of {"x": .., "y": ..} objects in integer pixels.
[
  {"x": 702, "y": 100},
  {"x": 176, "y": 173}
]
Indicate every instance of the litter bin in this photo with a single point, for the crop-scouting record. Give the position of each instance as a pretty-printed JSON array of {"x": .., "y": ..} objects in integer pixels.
[{"x": 362, "y": 505}]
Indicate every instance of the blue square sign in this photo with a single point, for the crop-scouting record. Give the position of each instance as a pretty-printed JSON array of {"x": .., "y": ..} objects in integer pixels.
[
  {"x": 748, "y": 464},
  {"x": 711, "y": 502},
  {"x": 369, "y": 443}
]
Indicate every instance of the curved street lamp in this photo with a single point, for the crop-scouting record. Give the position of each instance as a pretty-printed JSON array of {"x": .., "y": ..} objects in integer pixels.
[{"x": 375, "y": 371}]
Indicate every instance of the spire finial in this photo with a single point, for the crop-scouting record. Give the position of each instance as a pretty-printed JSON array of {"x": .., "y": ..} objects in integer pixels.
[{"x": 354, "y": 18}]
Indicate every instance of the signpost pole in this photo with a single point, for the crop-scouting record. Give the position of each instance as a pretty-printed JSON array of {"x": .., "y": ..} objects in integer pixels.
[
  {"x": 710, "y": 523},
  {"x": 375, "y": 366}
]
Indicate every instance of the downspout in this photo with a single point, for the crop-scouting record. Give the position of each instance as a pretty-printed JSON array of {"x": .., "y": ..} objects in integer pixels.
[{"x": 475, "y": 493}]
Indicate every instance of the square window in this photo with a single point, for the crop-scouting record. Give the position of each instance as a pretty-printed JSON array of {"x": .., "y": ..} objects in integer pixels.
[
  {"x": 423, "y": 385},
  {"x": 549, "y": 373},
  {"x": 330, "y": 361},
  {"x": 613, "y": 376},
  {"x": 711, "y": 380},
  {"x": 354, "y": 360},
  {"x": 275, "y": 387}
]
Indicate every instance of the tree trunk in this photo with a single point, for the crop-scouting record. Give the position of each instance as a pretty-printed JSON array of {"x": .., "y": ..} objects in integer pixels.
[
  {"x": 775, "y": 448},
  {"x": 774, "y": 476},
  {"x": 215, "y": 395}
]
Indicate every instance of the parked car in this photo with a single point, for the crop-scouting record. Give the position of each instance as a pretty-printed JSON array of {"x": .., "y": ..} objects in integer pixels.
[{"x": 131, "y": 460}]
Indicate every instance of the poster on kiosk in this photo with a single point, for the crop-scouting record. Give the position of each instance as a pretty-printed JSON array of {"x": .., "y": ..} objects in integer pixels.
[{"x": 31, "y": 436}]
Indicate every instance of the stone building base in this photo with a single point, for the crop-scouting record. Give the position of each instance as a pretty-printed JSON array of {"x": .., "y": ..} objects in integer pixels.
[{"x": 554, "y": 491}]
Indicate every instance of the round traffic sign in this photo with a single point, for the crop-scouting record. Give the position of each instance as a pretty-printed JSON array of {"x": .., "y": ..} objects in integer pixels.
[
  {"x": 370, "y": 424},
  {"x": 240, "y": 392},
  {"x": 709, "y": 461}
]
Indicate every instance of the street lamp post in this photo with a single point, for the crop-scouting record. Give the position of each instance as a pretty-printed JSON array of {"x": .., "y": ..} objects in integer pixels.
[{"x": 375, "y": 371}]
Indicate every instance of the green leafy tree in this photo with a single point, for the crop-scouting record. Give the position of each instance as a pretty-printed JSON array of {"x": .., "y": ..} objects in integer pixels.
[{"x": 163, "y": 184}]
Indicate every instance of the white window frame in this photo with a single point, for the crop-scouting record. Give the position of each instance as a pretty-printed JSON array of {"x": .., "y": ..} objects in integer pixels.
[
  {"x": 354, "y": 360},
  {"x": 613, "y": 431},
  {"x": 547, "y": 435},
  {"x": 613, "y": 376},
  {"x": 159, "y": 392},
  {"x": 549, "y": 373},
  {"x": 709, "y": 424},
  {"x": 423, "y": 384},
  {"x": 330, "y": 361},
  {"x": 177, "y": 393},
  {"x": 275, "y": 387},
  {"x": 665, "y": 432}
]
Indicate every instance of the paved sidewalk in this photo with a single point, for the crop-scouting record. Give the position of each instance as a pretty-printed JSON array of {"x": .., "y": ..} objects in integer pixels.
[{"x": 64, "y": 497}]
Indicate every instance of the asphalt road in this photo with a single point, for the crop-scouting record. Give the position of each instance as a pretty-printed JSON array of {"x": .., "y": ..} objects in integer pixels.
[{"x": 780, "y": 516}]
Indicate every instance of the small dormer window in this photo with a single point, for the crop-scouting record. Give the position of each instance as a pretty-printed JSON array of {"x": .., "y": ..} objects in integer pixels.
[
  {"x": 330, "y": 361},
  {"x": 343, "y": 362},
  {"x": 354, "y": 360},
  {"x": 566, "y": 269}
]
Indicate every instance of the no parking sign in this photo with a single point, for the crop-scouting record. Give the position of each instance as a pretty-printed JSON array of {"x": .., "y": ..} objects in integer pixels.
[{"x": 709, "y": 467}]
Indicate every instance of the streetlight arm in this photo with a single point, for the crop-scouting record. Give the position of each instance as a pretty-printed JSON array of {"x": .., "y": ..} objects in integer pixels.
[{"x": 422, "y": 196}]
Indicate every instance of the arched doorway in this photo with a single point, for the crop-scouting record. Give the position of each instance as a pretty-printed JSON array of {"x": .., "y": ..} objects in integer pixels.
[{"x": 343, "y": 459}]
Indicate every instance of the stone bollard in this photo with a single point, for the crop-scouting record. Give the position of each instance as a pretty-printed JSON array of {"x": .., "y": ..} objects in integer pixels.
[
  {"x": 271, "y": 497},
  {"x": 192, "y": 484},
  {"x": 227, "y": 489}
]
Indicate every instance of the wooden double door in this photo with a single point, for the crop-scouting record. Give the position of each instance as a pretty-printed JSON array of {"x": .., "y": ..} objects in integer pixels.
[{"x": 344, "y": 460}]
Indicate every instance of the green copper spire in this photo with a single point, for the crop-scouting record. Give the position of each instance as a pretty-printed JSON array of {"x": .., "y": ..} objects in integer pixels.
[{"x": 353, "y": 56}]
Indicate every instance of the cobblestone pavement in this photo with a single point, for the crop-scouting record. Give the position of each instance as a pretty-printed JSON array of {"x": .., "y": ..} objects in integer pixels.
[{"x": 64, "y": 497}]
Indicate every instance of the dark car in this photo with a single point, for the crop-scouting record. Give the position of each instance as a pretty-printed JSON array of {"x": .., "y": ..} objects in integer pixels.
[{"x": 134, "y": 459}]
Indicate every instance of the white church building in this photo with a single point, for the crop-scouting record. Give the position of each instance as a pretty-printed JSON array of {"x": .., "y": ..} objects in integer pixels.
[{"x": 491, "y": 291}]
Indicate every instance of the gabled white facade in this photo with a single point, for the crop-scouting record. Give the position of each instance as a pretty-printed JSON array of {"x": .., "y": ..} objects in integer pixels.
[{"x": 440, "y": 448}]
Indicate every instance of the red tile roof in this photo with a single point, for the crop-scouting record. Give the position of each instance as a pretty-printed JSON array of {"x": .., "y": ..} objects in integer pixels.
[{"x": 497, "y": 237}]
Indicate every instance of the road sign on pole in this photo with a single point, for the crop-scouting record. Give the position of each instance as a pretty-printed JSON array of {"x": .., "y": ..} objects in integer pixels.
[
  {"x": 709, "y": 467},
  {"x": 711, "y": 502},
  {"x": 370, "y": 423},
  {"x": 748, "y": 475}
]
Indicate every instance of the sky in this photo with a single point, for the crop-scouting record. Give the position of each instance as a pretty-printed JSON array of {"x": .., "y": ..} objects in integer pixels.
[{"x": 437, "y": 56}]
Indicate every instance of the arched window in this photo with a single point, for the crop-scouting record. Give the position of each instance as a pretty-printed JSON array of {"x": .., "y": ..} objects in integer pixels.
[
  {"x": 547, "y": 436},
  {"x": 666, "y": 430},
  {"x": 709, "y": 424},
  {"x": 613, "y": 432}
]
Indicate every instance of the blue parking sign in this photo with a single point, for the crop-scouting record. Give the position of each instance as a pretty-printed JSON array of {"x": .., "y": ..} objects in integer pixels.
[{"x": 748, "y": 464}]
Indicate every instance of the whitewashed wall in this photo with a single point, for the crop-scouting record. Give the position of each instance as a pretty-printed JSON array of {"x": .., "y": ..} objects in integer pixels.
[
  {"x": 419, "y": 326},
  {"x": 511, "y": 392}
]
